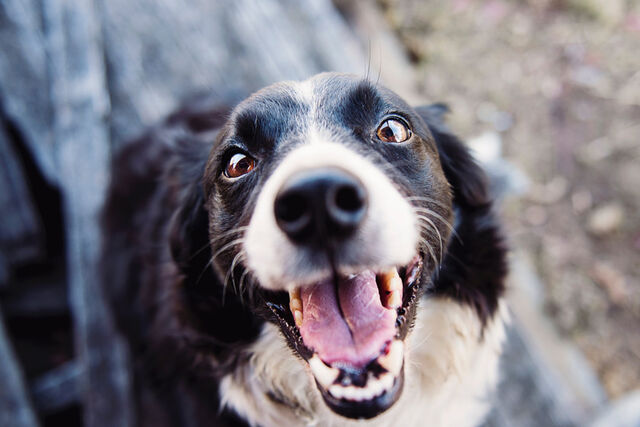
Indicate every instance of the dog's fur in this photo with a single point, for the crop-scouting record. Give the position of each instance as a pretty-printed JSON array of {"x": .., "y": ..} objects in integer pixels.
[{"x": 209, "y": 354}]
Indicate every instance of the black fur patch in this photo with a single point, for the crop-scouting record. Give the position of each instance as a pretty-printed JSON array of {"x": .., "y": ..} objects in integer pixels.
[{"x": 475, "y": 265}]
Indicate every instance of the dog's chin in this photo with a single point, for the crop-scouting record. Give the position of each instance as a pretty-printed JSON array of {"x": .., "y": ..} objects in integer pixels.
[{"x": 351, "y": 330}]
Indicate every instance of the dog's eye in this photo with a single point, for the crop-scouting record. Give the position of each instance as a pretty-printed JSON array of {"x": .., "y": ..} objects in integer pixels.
[
  {"x": 239, "y": 164},
  {"x": 393, "y": 130}
]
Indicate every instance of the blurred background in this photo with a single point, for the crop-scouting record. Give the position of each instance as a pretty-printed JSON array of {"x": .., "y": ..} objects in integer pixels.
[{"x": 546, "y": 93}]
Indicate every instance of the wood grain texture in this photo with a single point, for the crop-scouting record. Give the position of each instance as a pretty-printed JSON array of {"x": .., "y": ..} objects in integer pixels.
[
  {"x": 79, "y": 126},
  {"x": 21, "y": 238}
]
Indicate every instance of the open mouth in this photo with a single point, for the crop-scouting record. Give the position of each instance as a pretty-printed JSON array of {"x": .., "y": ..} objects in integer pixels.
[{"x": 351, "y": 332}]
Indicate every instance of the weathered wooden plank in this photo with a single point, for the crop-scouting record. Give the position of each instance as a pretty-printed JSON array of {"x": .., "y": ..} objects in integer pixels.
[
  {"x": 79, "y": 105},
  {"x": 24, "y": 90},
  {"x": 57, "y": 389},
  {"x": 21, "y": 237},
  {"x": 224, "y": 46},
  {"x": 15, "y": 407}
]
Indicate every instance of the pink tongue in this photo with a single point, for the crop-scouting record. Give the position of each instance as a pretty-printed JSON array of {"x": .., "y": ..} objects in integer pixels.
[{"x": 359, "y": 336}]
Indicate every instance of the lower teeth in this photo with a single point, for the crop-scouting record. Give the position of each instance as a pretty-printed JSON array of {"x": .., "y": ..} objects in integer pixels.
[{"x": 375, "y": 386}]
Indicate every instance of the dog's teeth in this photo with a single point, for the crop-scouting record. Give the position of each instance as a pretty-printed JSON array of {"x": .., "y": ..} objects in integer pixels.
[
  {"x": 374, "y": 387},
  {"x": 295, "y": 302},
  {"x": 324, "y": 374},
  {"x": 367, "y": 393},
  {"x": 391, "y": 280},
  {"x": 392, "y": 361},
  {"x": 391, "y": 286},
  {"x": 394, "y": 300},
  {"x": 386, "y": 381},
  {"x": 350, "y": 393},
  {"x": 337, "y": 391},
  {"x": 377, "y": 387},
  {"x": 295, "y": 305},
  {"x": 297, "y": 317}
]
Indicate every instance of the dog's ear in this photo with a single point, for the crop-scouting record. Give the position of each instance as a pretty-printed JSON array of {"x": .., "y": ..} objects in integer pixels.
[
  {"x": 468, "y": 180},
  {"x": 474, "y": 265}
]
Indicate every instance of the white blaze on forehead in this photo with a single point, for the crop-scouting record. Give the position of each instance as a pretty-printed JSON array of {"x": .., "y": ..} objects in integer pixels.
[
  {"x": 305, "y": 90},
  {"x": 387, "y": 237}
]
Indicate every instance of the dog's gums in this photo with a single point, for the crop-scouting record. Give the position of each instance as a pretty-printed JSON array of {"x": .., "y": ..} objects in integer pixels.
[{"x": 353, "y": 341}]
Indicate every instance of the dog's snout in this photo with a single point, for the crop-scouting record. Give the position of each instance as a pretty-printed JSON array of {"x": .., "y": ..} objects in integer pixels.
[{"x": 321, "y": 204}]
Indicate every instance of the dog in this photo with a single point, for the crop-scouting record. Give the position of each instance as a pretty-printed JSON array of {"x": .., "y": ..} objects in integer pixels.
[{"x": 320, "y": 254}]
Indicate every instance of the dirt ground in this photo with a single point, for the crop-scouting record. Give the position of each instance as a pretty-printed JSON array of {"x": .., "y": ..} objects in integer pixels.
[{"x": 560, "y": 81}]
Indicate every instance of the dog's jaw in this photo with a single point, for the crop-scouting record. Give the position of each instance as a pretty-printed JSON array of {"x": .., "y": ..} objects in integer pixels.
[{"x": 449, "y": 382}]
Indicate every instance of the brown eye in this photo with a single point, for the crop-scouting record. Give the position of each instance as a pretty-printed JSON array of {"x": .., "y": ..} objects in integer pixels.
[
  {"x": 393, "y": 130},
  {"x": 239, "y": 164}
]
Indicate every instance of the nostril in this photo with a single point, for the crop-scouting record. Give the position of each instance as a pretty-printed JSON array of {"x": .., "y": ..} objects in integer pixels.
[
  {"x": 346, "y": 205},
  {"x": 291, "y": 208},
  {"x": 292, "y": 213},
  {"x": 349, "y": 199}
]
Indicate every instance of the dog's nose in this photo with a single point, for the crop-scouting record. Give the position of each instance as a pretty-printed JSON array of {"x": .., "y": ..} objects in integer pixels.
[{"x": 319, "y": 205}]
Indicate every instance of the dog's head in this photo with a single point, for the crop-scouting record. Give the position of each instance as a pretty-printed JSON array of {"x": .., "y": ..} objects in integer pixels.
[{"x": 328, "y": 206}]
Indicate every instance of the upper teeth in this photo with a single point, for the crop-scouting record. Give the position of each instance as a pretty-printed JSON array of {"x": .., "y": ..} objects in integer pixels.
[
  {"x": 391, "y": 288},
  {"x": 295, "y": 304}
]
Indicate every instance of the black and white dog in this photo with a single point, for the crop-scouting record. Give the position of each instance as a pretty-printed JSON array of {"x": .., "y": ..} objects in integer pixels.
[{"x": 321, "y": 254}]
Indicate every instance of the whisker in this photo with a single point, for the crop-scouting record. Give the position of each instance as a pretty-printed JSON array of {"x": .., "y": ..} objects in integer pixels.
[
  {"x": 433, "y": 226},
  {"x": 238, "y": 258},
  {"x": 217, "y": 238},
  {"x": 379, "y": 65},
  {"x": 227, "y": 246},
  {"x": 366, "y": 77},
  {"x": 196, "y": 253},
  {"x": 224, "y": 248},
  {"x": 242, "y": 278},
  {"x": 438, "y": 216},
  {"x": 428, "y": 246},
  {"x": 204, "y": 269},
  {"x": 230, "y": 276},
  {"x": 229, "y": 232}
]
